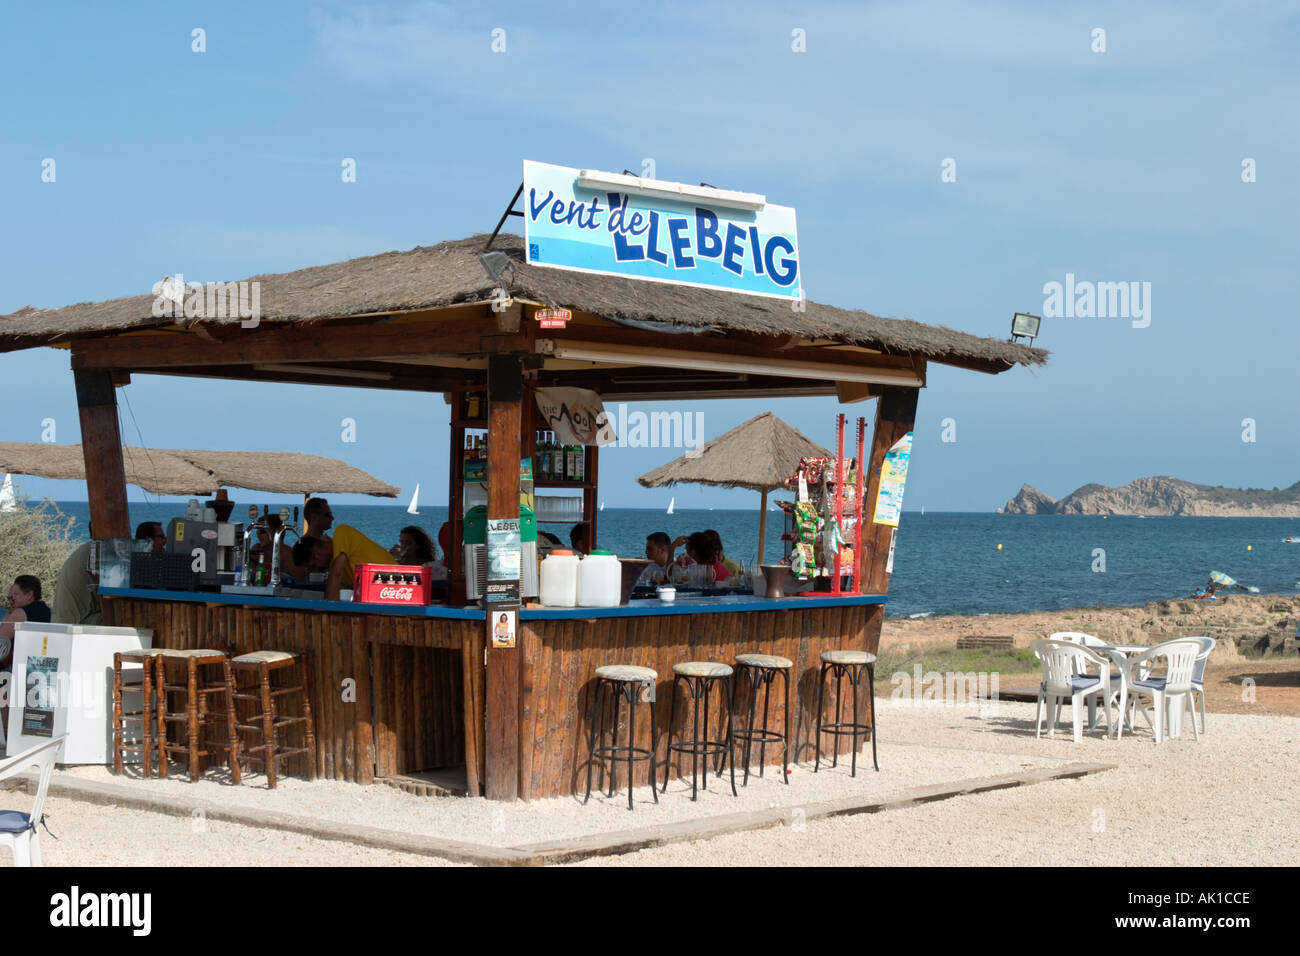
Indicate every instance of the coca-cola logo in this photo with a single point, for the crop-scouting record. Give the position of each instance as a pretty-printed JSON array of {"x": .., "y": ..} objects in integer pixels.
[{"x": 396, "y": 594}]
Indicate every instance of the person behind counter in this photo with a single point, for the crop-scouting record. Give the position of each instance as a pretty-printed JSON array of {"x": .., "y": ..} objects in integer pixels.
[
  {"x": 662, "y": 569},
  {"x": 731, "y": 566},
  {"x": 25, "y": 604},
  {"x": 151, "y": 531},
  {"x": 413, "y": 546},
  {"x": 701, "y": 550},
  {"x": 579, "y": 536},
  {"x": 319, "y": 517}
]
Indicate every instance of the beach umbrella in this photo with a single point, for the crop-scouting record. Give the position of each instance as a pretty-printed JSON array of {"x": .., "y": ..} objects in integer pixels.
[
  {"x": 1223, "y": 581},
  {"x": 759, "y": 454},
  {"x": 171, "y": 471}
]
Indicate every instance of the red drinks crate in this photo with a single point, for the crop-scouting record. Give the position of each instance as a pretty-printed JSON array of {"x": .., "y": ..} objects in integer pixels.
[{"x": 392, "y": 584}]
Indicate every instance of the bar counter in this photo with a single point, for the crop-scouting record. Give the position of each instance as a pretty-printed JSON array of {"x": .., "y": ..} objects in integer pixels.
[{"x": 397, "y": 690}]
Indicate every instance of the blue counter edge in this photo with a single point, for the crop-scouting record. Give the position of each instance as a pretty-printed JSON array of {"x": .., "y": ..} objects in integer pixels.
[{"x": 638, "y": 609}]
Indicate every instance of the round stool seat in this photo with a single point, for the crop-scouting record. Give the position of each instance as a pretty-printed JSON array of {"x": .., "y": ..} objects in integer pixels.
[
  {"x": 626, "y": 672},
  {"x": 140, "y": 653},
  {"x": 702, "y": 669},
  {"x": 848, "y": 657},
  {"x": 190, "y": 652},
  {"x": 764, "y": 660},
  {"x": 264, "y": 657}
]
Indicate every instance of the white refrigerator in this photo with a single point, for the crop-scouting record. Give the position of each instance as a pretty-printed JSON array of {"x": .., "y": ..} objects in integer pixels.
[{"x": 62, "y": 683}]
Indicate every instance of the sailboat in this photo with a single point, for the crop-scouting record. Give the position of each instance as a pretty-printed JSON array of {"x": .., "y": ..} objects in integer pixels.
[
  {"x": 602, "y": 506},
  {"x": 671, "y": 502},
  {"x": 8, "y": 499},
  {"x": 414, "y": 507},
  {"x": 922, "y": 511}
]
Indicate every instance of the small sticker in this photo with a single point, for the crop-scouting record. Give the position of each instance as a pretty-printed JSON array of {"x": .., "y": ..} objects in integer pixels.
[
  {"x": 207, "y": 533},
  {"x": 503, "y": 629},
  {"x": 180, "y": 531},
  {"x": 553, "y": 318}
]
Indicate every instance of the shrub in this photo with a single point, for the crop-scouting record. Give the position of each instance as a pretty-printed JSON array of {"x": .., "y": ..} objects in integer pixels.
[{"x": 35, "y": 539}]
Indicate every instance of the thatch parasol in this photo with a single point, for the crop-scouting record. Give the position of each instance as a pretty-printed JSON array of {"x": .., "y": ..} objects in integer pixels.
[
  {"x": 166, "y": 471},
  {"x": 759, "y": 454}
]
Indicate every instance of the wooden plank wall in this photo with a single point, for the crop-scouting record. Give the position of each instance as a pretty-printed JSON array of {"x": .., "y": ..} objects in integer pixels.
[
  {"x": 387, "y": 692},
  {"x": 560, "y": 659}
]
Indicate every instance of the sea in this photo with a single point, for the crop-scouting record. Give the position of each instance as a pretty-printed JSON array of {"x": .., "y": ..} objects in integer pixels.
[{"x": 945, "y": 563}]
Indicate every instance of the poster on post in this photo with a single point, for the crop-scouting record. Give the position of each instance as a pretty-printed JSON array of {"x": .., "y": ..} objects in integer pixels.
[
  {"x": 503, "y": 628},
  {"x": 893, "y": 476},
  {"x": 503, "y": 555}
]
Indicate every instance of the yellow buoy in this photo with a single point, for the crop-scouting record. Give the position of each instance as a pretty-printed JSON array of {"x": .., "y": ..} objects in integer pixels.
[
  {"x": 999, "y": 547},
  {"x": 1247, "y": 547}
]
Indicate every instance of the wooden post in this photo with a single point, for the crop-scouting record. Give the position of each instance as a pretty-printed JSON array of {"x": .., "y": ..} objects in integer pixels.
[
  {"x": 762, "y": 525},
  {"x": 101, "y": 446},
  {"x": 895, "y": 416},
  {"x": 505, "y": 391}
]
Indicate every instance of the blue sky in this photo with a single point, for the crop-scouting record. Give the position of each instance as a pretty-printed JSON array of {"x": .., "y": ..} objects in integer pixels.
[{"x": 1117, "y": 166}]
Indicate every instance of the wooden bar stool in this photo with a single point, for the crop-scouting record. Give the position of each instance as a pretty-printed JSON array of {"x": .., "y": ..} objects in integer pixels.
[
  {"x": 145, "y": 715},
  {"x": 699, "y": 678},
  {"x": 271, "y": 719},
  {"x": 197, "y": 717},
  {"x": 624, "y": 682},
  {"x": 851, "y": 664},
  {"x": 762, "y": 669}
]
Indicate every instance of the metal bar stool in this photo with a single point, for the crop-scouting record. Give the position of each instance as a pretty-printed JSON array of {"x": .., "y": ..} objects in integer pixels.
[
  {"x": 624, "y": 682},
  {"x": 145, "y": 715},
  {"x": 270, "y": 719},
  {"x": 851, "y": 664},
  {"x": 700, "y": 677},
  {"x": 197, "y": 717},
  {"x": 762, "y": 669}
]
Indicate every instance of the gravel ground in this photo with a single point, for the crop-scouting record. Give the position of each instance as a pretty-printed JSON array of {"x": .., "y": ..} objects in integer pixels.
[
  {"x": 1228, "y": 799},
  {"x": 904, "y": 766}
]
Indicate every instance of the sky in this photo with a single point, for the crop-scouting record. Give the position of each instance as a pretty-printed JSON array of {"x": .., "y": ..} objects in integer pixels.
[{"x": 947, "y": 161}]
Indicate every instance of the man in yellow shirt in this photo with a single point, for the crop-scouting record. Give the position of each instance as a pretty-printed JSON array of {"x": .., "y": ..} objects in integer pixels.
[{"x": 350, "y": 549}]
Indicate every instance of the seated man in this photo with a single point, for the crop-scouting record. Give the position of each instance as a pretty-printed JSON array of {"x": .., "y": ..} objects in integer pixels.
[
  {"x": 662, "y": 569},
  {"x": 25, "y": 604},
  {"x": 74, "y": 602},
  {"x": 579, "y": 538},
  {"x": 148, "y": 531}
]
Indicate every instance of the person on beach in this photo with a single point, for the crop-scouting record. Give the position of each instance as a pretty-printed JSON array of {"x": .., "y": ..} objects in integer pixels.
[
  {"x": 661, "y": 570},
  {"x": 25, "y": 604}
]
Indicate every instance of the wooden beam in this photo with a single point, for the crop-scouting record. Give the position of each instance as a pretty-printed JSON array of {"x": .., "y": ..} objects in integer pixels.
[
  {"x": 895, "y": 417},
  {"x": 323, "y": 342},
  {"x": 101, "y": 446},
  {"x": 505, "y": 392}
]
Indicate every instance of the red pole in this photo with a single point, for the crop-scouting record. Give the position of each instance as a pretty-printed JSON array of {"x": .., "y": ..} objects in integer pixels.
[
  {"x": 839, "y": 494},
  {"x": 862, "y": 512}
]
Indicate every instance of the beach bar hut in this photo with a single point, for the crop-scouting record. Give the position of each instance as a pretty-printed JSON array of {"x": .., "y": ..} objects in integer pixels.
[{"x": 448, "y": 319}]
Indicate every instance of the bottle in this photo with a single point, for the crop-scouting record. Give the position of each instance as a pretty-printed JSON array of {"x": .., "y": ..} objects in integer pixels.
[
  {"x": 548, "y": 472},
  {"x": 579, "y": 463}
]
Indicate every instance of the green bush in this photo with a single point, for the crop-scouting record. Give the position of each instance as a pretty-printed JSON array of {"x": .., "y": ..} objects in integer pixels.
[{"x": 35, "y": 539}]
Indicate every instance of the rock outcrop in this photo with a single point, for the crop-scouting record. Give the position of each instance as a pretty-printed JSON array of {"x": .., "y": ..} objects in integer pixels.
[{"x": 1161, "y": 496}]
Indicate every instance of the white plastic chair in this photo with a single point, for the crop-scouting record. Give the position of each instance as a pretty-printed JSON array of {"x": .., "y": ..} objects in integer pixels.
[
  {"x": 1198, "y": 674},
  {"x": 18, "y": 829},
  {"x": 1091, "y": 641},
  {"x": 1065, "y": 676},
  {"x": 1180, "y": 656}
]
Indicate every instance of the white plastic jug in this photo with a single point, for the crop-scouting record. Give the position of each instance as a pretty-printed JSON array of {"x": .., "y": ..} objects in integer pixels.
[
  {"x": 600, "y": 580},
  {"x": 559, "y": 586}
]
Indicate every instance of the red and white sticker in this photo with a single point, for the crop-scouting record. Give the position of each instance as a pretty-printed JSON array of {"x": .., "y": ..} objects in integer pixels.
[{"x": 553, "y": 318}]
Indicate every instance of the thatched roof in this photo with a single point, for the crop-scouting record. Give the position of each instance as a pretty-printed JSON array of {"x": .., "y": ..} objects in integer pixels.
[
  {"x": 759, "y": 454},
  {"x": 450, "y": 273},
  {"x": 164, "y": 471}
]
